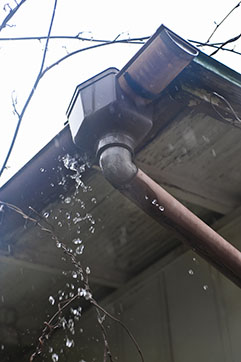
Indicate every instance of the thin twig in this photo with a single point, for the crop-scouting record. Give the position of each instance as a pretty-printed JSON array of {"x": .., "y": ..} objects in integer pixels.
[
  {"x": 49, "y": 328},
  {"x": 123, "y": 326},
  {"x": 236, "y": 121},
  {"x": 40, "y": 76},
  {"x": 107, "y": 351},
  {"x": 40, "y": 216},
  {"x": 60, "y": 309},
  {"x": 11, "y": 13},
  {"x": 84, "y": 49},
  {"x": 225, "y": 43},
  {"x": 69, "y": 37},
  {"x": 221, "y": 22},
  {"x": 31, "y": 93},
  {"x": 14, "y": 103},
  {"x": 215, "y": 45}
]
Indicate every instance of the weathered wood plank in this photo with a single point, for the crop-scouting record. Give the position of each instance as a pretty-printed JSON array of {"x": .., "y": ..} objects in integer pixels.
[{"x": 106, "y": 277}]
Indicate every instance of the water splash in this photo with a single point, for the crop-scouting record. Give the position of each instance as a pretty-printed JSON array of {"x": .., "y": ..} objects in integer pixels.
[{"x": 72, "y": 164}]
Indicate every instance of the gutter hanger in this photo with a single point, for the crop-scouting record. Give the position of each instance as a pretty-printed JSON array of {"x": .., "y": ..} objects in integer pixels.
[{"x": 110, "y": 115}]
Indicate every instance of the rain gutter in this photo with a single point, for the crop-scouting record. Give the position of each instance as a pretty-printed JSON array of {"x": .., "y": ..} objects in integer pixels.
[
  {"x": 218, "y": 69},
  {"x": 110, "y": 115}
]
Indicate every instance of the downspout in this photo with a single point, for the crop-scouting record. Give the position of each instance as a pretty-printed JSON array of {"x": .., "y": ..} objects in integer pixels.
[
  {"x": 117, "y": 166},
  {"x": 110, "y": 115}
]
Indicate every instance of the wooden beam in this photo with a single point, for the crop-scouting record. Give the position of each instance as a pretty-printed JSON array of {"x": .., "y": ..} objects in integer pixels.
[
  {"x": 229, "y": 227},
  {"x": 107, "y": 277}
]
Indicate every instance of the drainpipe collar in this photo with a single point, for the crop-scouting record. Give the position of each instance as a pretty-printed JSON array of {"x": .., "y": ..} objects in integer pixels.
[{"x": 115, "y": 153}]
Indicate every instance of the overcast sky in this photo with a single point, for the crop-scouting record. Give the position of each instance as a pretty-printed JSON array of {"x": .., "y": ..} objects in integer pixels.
[{"x": 20, "y": 61}]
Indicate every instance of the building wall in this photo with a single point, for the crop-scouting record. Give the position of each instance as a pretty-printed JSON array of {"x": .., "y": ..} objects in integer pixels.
[{"x": 186, "y": 312}]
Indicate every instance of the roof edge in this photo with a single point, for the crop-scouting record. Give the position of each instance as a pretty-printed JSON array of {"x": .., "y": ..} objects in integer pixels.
[{"x": 218, "y": 68}]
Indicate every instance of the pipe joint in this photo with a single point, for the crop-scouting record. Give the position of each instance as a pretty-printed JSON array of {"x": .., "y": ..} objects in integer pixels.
[{"x": 115, "y": 153}]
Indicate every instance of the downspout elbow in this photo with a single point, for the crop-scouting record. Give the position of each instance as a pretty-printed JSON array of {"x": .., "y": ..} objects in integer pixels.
[{"x": 117, "y": 165}]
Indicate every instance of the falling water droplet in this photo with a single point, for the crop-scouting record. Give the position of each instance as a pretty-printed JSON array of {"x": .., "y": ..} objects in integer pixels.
[
  {"x": 67, "y": 200},
  {"x": 88, "y": 296},
  {"x": 46, "y": 214},
  {"x": 51, "y": 300},
  {"x": 41, "y": 169},
  {"x": 55, "y": 357},
  {"x": 154, "y": 202},
  {"x": 87, "y": 270},
  {"x": 74, "y": 274},
  {"x": 69, "y": 343},
  {"x": 161, "y": 208},
  {"x": 205, "y": 287},
  {"x": 77, "y": 241},
  {"x": 214, "y": 152},
  {"x": 190, "y": 272},
  {"x": 82, "y": 292},
  {"x": 68, "y": 215},
  {"x": 58, "y": 244},
  {"x": 79, "y": 250},
  {"x": 92, "y": 229}
]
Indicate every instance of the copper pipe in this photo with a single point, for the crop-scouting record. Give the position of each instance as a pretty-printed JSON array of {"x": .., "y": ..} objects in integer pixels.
[{"x": 169, "y": 212}]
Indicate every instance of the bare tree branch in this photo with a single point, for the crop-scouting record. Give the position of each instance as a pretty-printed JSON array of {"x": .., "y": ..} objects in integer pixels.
[
  {"x": 43, "y": 72},
  {"x": 84, "y": 49},
  {"x": 222, "y": 21},
  {"x": 225, "y": 43},
  {"x": 21, "y": 114},
  {"x": 77, "y": 37},
  {"x": 200, "y": 44},
  {"x": 123, "y": 326},
  {"x": 11, "y": 13}
]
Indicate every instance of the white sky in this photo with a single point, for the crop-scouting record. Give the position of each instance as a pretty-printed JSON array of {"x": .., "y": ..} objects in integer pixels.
[{"x": 20, "y": 61}]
